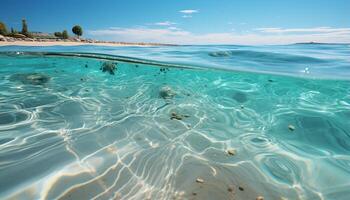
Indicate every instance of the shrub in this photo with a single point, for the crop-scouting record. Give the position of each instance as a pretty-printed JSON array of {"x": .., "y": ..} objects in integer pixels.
[
  {"x": 12, "y": 33},
  {"x": 58, "y": 34},
  {"x": 65, "y": 34},
  {"x": 3, "y": 29},
  {"x": 17, "y": 35},
  {"x": 77, "y": 30}
]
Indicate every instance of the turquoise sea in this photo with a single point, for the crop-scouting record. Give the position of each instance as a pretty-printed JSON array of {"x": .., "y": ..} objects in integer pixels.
[{"x": 179, "y": 122}]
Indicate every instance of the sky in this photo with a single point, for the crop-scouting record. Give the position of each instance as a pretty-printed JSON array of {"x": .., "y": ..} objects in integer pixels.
[{"x": 188, "y": 21}]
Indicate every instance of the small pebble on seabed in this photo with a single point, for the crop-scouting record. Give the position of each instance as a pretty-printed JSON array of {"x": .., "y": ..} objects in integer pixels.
[
  {"x": 231, "y": 189},
  {"x": 260, "y": 198},
  {"x": 231, "y": 152},
  {"x": 291, "y": 127},
  {"x": 199, "y": 180}
]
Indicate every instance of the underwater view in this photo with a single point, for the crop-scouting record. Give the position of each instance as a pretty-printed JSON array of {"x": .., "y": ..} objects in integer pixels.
[{"x": 178, "y": 122}]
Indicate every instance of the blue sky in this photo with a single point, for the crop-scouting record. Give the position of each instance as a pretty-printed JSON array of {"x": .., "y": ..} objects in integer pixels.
[{"x": 188, "y": 21}]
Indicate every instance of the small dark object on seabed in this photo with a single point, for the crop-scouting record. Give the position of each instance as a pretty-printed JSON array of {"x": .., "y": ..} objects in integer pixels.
[
  {"x": 241, "y": 188},
  {"x": 175, "y": 116},
  {"x": 163, "y": 69},
  {"x": 231, "y": 188},
  {"x": 31, "y": 78},
  {"x": 231, "y": 152},
  {"x": 86, "y": 66},
  {"x": 270, "y": 80},
  {"x": 58, "y": 71},
  {"x": 291, "y": 127},
  {"x": 108, "y": 67},
  {"x": 240, "y": 97},
  {"x": 178, "y": 116}
]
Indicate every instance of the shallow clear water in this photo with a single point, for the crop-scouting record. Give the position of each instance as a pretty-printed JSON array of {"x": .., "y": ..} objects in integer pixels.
[
  {"x": 322, "y": 61},
  {"x": 152, "y": 130}
]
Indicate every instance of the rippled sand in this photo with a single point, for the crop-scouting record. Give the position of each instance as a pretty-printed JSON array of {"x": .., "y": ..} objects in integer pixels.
[{"x": 85, "y": 134}]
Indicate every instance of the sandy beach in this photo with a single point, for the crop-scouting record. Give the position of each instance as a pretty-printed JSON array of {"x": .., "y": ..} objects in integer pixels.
[{"x": 70, "y": 43}]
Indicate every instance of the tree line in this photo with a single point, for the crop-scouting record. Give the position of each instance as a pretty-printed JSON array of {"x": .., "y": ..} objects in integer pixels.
[
  {"x": 24, "y": 31},
  {"x": 77, "y": 30}
]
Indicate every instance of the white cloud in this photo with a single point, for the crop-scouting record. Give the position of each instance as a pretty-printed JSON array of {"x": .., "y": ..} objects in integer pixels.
[
  {"x": 260, "y": 36},
  {"x": 165, "y": 23},
  {"x": 188, "y": 11},
  {"x": 139, "y": 34},
  {"x": 173, "y": 28}
]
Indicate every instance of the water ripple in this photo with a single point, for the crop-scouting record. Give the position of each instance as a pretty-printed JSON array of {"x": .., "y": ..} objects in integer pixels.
[{"x": 92, "y": 135}]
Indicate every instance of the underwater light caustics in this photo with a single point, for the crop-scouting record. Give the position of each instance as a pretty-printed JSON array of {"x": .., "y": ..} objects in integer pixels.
[{"x": 92, "y": 126}]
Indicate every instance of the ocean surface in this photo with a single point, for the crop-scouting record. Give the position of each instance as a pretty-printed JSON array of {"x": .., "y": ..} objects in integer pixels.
[{"x": 179, "y": 122}]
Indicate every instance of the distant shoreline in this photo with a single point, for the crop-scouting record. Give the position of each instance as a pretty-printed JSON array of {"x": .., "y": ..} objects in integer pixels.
[
  {"x": 60, "y": 43},
  {"x": 9, "y": 41}
]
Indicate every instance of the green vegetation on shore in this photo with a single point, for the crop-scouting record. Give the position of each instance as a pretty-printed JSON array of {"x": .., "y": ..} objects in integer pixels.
[
  {"x": 62, "y": 35},
  {"x": 65, "y": 34},
  {"x": 3, "y": 29},
  {"x": 25, "y": 28},
  {"x": 25, "y": 33},
  {"x": 77, "y": 30}
]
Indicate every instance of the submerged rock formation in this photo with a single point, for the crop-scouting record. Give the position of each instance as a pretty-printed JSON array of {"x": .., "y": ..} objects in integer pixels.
[
  {"x": 240, "y": 97},
  {"x": 31, "y": 78},
  {"x": 220, "y": 54},
  {"x": 176, "y": 116},
  {"x": 166, "y": 92},
  {"x": 108, "y": 67}
]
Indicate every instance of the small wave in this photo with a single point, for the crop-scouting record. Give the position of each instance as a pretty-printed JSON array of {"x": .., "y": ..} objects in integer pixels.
[{"x": 266, "y": 57}]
